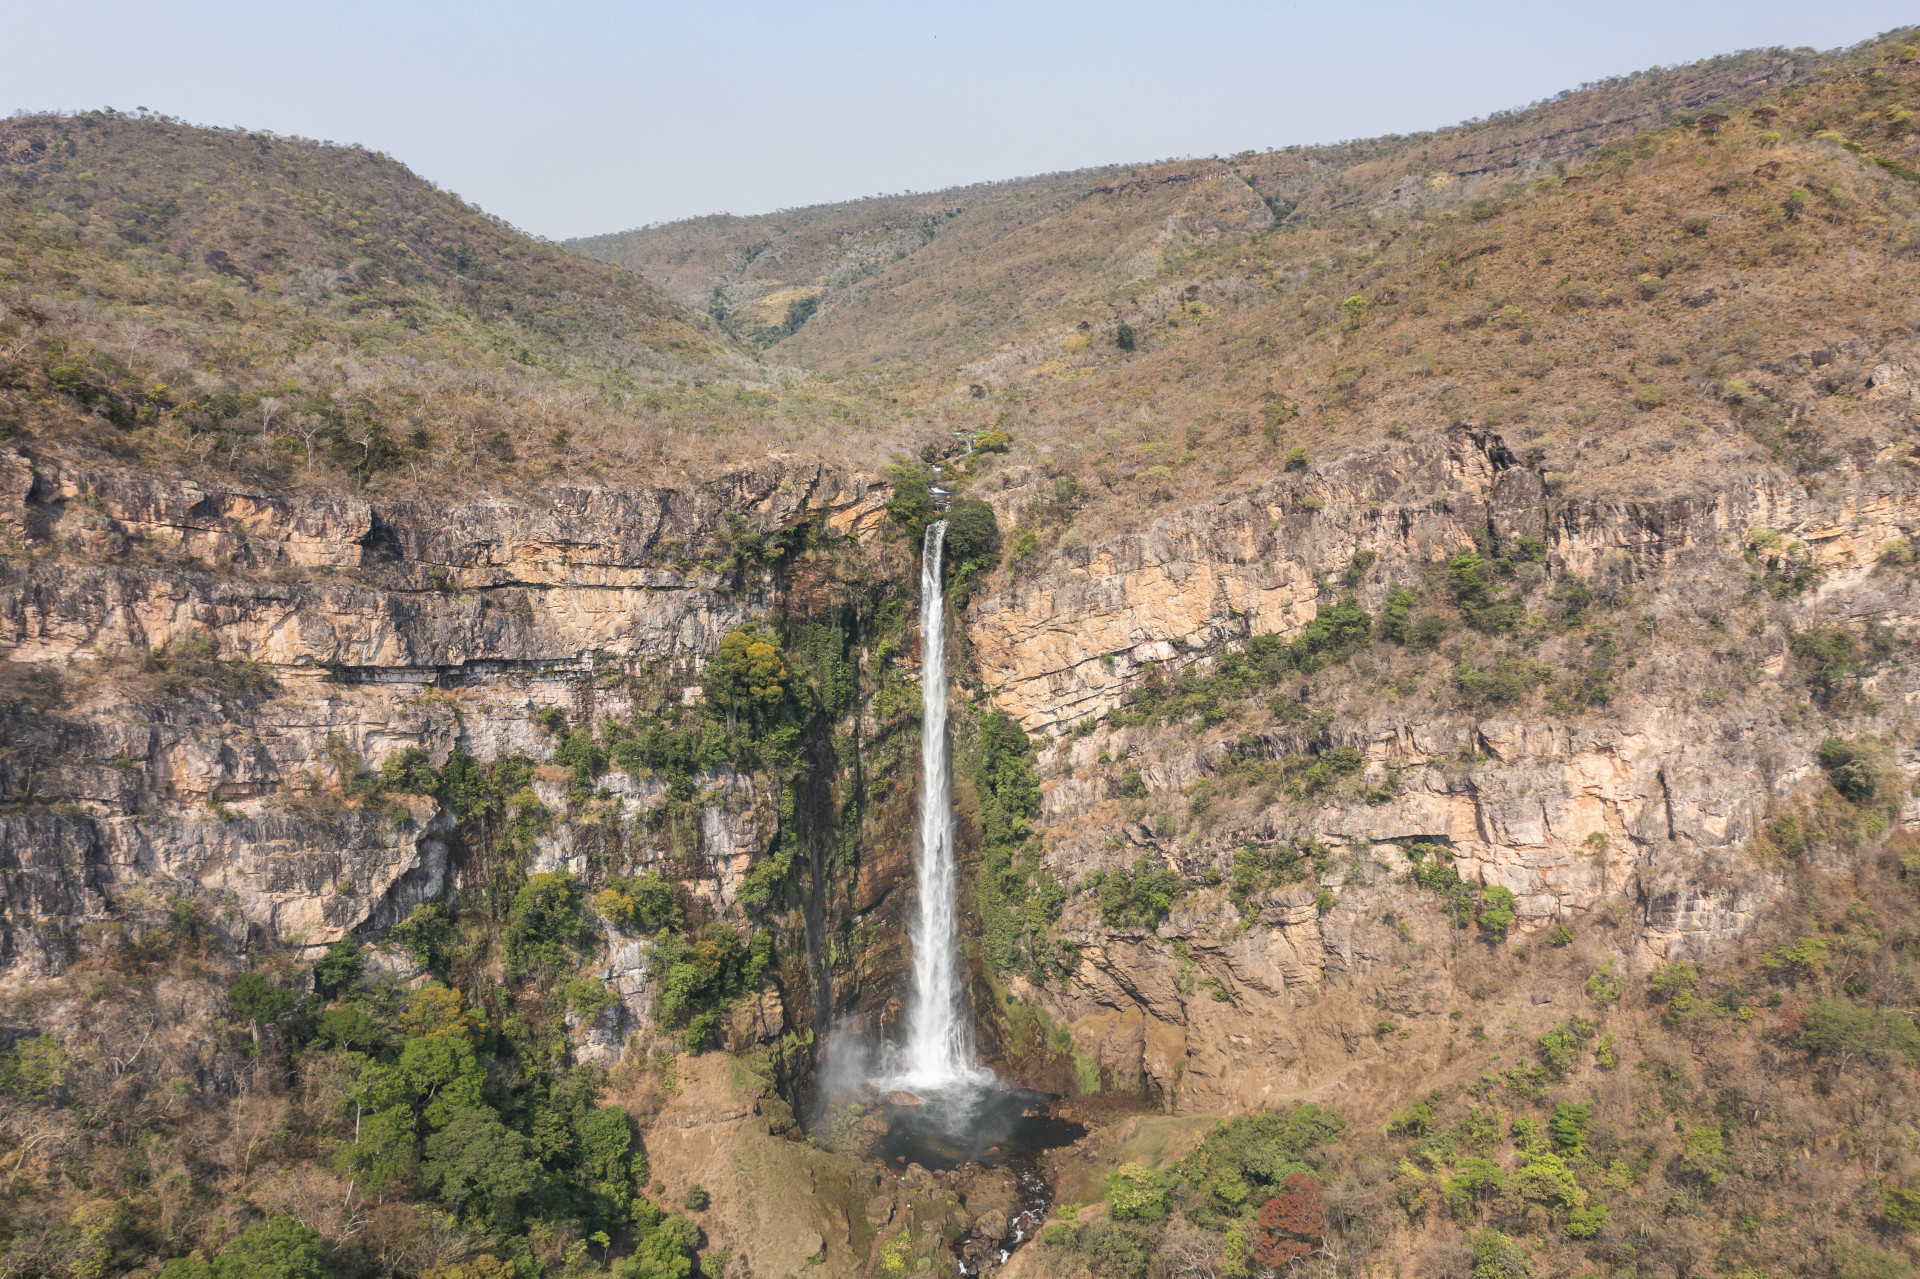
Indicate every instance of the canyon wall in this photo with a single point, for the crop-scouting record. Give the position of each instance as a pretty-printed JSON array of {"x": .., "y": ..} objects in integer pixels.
[
  {"x": 1640, "y": 816},
  {"x": 190, "y": 667}
]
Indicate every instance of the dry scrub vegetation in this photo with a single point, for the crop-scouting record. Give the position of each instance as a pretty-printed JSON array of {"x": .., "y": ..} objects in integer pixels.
[{"x": 277, "y": 311}]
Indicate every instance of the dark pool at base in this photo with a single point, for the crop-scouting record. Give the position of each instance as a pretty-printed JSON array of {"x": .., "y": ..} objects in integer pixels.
[{"x": 987, "y": 1125}]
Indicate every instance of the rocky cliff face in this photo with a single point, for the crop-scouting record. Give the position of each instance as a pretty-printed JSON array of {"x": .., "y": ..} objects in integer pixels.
[
  {"x": 189, "y": 663},
  {"x": 1654, "y": 804}
]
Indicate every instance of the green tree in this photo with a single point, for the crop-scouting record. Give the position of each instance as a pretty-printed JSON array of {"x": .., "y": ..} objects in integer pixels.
[
  {"x": 746, "y": 676},
  {"x": 385, "y": 1152},
  {"x": 606, "y": 1164},
  {"x": 444, "y": 1073},
  {"x": 425, "y": 935},
  {"x": 347, "y": 1027},
  {"x": 478, "y": 1162},
  {"x": 641, "y": 905},
  {"x": 186, "y": 1268},
  {"x": 278, "y": 1248},
  {"x": 973, "y": 534},
  {"x": 1470, "y": 579},
  {"x": 1474, "y": 1181},
  {"x": 1394, "y": 622},
  {"x": 1588, "y": 1221},
  {"x": 1569, "y": 1127},
  {"x": 1545, "y": 1178},
  {"x": 1497, "y": 910},
  {"x": 340, "y": 969},
  {"x": 1844, "y": 1031}
]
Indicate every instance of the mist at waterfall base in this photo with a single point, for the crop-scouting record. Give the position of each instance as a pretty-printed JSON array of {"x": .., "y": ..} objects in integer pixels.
[{"x": 944, "y": 1109}]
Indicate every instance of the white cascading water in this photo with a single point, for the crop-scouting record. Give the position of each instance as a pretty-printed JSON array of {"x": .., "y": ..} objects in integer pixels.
[{"x": 939, "y": 1048}]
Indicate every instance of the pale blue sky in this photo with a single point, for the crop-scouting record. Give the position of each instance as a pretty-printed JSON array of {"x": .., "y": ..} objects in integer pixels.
[{"x": 573, "y": 118}]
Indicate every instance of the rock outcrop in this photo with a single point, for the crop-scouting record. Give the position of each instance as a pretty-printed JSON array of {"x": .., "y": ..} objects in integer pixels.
[
  {"x": 192, "y": 660},
  {"x": 1653, "y": 803}
]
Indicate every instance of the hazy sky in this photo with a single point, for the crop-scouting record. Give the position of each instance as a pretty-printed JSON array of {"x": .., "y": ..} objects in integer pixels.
[{"x": 573, "y": 118}]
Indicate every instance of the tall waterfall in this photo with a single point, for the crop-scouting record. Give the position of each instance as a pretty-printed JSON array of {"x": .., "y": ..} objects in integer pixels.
[{"x": 939, "y": 1047}]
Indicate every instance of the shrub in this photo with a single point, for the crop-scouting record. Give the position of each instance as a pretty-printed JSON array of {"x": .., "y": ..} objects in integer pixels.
[
  {"x": 1245, "y": 1159},
  {"x": 340, "y": 968},
  {"x": 1140, "y": 898},
  {"x": 1900, "y": 1207},
  {"x": 1851, "y": 768},
  {"x": 1018, "y": 900},
  {"x": 424, "y": 935},
  {"x": 1497, "y": 1257},
  {"x": 1123, "y": 337},
  {"x": 34, "y": 1067},
  {"x": 1841, "y": 1029},
  {"x": 1290, "y": 1223},
  {"x": 644, "y": 904},
  {"x": 973, "y": 535},
  {"x": 696, "y": 1199},
  {"x": 1327, "y": 768},
  {"x": 256, "y": 998},
  {"x": 588, "y": 997},
  {"x": 546, "y": 922},
  {"x": 1588, "y": 1221},
  {"x": 1136, "y": 1193}
]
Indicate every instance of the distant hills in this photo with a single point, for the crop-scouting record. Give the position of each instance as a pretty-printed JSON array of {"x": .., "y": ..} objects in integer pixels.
[{"x": 940, "y": 276}]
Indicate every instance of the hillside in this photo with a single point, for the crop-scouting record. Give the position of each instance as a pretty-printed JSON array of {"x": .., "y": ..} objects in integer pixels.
[
  {"x": 932, "y": 279},
  {"x": 250, "y": 305},
  {"x": 1435, "y": 774}
]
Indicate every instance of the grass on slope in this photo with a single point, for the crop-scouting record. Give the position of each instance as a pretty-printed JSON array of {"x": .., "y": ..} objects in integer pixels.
[{"x": 281, "y": 311}]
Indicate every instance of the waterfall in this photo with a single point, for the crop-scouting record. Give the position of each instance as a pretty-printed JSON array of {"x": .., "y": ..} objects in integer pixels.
[{"x": 939, "y": 1047}]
